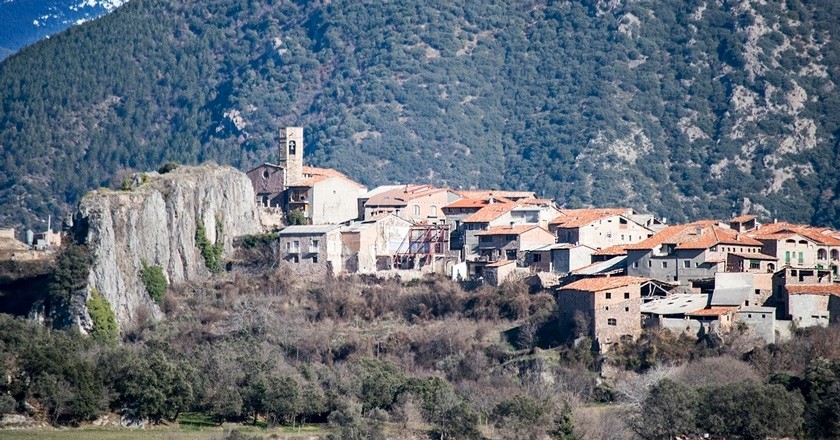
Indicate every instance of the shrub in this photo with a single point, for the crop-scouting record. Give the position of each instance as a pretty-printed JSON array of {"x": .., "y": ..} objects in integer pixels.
[
  {"x": 669, "y": 411},
  {"x": 155, "y": 281},
  {"x": 104, "y": 321},
  {"x": 296, "y": 217},
  {"x": 212, "y": 252},
  {"x": 751, "y": 410},
  {"x": 252, "y": 241},
  {"x": 7, "y": 404},
  {"x": 167, "y": 167}
]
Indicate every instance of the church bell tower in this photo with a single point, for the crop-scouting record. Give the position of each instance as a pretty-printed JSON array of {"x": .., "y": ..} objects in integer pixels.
[{"x": 291, "y": 153}]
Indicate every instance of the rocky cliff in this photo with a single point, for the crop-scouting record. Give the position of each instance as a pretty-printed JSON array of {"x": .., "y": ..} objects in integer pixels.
[{"x": 155, "y": 223}]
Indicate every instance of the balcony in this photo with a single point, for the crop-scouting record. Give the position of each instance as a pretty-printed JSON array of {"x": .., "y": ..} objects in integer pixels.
[{"x": 314, "y": 250}]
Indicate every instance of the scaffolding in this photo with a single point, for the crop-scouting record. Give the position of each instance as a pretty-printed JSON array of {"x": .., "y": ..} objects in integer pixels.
[{"x": 424, "y": 245}]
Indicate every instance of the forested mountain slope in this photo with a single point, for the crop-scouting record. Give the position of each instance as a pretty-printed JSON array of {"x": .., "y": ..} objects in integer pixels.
[
  {"x": 683, "y": 108},
  {"x": 27, "y": 21}
]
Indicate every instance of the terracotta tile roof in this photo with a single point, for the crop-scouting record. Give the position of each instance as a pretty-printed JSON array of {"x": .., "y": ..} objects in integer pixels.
[
  {"x": 755, "y": 256},
  {"x": 490, "y": 213},
  {"x": 501, "y": 263},
  {"x": 686, "y": 237},
  {"x": 713, "y": 311},
  {"x": 813, "y": 289},
  {"x": 487, "y": 193},
  {"x": 313, "y": 175},
  {"x": 512, "y": 230},
  {"x": 779, "y": 231},
  {"x": 743, "y": 218},
  {"x": 402, "y": 195},
  {"x": 576, "y": 218},
  {"x": 618, "y": 249},
  {"x": 602, "y": 283},
  {"x": 475, "y": 203},
  {"x": 537, "y": 202}
]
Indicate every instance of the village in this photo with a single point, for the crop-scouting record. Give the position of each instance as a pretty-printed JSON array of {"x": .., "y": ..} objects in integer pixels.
[
  {"x": 614, "y": 269},
  {"x": 619, "y": 269}
]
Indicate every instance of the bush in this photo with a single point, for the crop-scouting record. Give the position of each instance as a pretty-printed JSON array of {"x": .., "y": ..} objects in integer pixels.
[
  {"x": 155, "y": 281},
  {"x": 296, "y": 217},
  {"x": 669, "y": 411},
  {"x": 167, "y": 167},
  {"x": 104, "y": 321},
  {"x": 7, "y": 404},
  {"x": 252, "y": 241},
  {"x": 751, "y": 410},
  {"x": 211, "y": 252}
]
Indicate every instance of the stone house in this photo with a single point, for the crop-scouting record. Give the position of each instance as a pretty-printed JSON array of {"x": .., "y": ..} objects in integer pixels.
[
  {"x": 559, "y": 258},
  {"x": 492, "y": 215},
  {"x": 457, "y": 211},
  {"x": 598, "y": 228},
  {"x": 800, "y": 246},
  {"x": 370, "y": 245},
  {"x": 269, "y": 182},
  {"x": 610, "y": 306},
  {"x": 751, "y": 262},
  {"x": 511, "y": 242},
  {"x": 742, "y": 289},
  {"x": 811, "y": 305},
  {"x": 744, "y": 223},
  {"x": 714, "y": 319},
  {"x": 497, "y": 273},
  {"x": 416, "y": 203},
  {"x": 687, "y": 252},
  {"x": 324, "y": 196},
  {"x": 507, "y": 243},
  {"x": 315, "y": 249},
  {"x": 761, "y": 321},
  {"x": 672, "y": 312}
]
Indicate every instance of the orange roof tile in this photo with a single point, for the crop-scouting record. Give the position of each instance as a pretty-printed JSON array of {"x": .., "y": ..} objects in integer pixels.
[
  {"x": 713, "y": 311},
  {"x": 512, "y": 230},
  {"x": 754, "y": 256},
  {"x": 313, "y": 175},
  {"x": 686, "y": 237},
  {"x": 779, "y": 231},
  {"x": 490, "y": 213},
  {"x": 576, "y": 218},
  {"x": 487, "y": 193},
  {"x": 402, "y": 195},
  {"x": 475, "y": 203},
  {"x": 602, "y": 283},
  {"x": 618, "y": 249},
  {"x": 813, "y": 289},
  {"x": 743, "y": 218}
]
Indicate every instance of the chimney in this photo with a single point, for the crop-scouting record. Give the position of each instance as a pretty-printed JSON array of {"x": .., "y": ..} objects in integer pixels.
[
  {"x": 511, "y": 224},
  {"x": 698, "y": 231}
]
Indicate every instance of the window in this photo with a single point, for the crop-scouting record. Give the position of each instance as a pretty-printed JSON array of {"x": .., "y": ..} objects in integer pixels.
[
  {"x": 296, "y": 259},
  {"x": 755, "y": 264},
  {"x": 664, "y": 264},
  {"x": 314, "y": 258},
  {"x": 537, "y": 258},
  {"x": 687, "y": 264},
  {"x": 510, "y": 237},
  {"x": 292, "y": 147},
  {"x": 607, "y": 308},
  {"x": 609, "y": 295},
  {"x": 416, "y": 209},
  {"x": 650, "y": 263},
  {"x": 609, "y": 235},
  {"x": 314, "y": 243},
  {"x": 626, "y": 295},
  {"x": 612, "y": 321},
  {"x": 266, "y": 174},
  {"x": 627, "y": 309},
  {"x": 635, "y": 265},
  {"x": 486, "y": 239},
  {"x": 433, "y": 211}
]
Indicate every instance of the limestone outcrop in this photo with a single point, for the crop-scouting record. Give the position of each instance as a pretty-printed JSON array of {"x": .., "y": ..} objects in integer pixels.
[{"x": 155, "y": 223}]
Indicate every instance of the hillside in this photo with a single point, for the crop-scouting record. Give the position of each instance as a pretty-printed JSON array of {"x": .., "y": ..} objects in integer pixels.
[
  {"x": 683, "y": 108},
  {"x": 25, "y": 22}
]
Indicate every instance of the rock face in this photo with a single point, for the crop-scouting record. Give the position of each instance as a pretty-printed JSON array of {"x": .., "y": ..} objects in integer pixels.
[{"x": 155, "y": 223}]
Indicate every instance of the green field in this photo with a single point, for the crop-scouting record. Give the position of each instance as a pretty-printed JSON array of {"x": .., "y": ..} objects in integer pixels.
[{"x": 184, "y": 431}]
